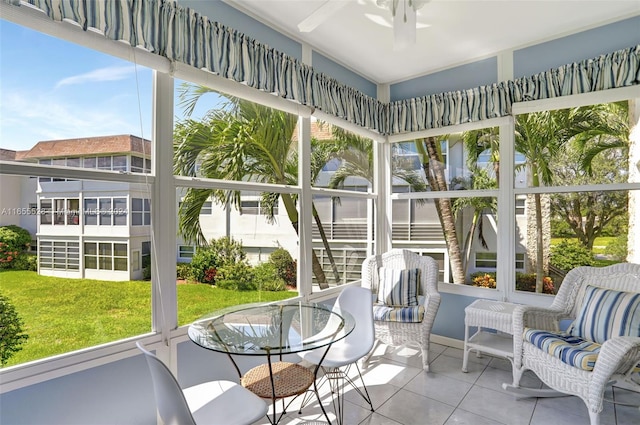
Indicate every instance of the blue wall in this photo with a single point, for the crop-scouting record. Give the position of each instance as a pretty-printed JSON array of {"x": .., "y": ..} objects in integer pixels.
[
  {"x": 327, "y": 66},
  {"x": 462, "y": 77},
  {"x": 574, "y": 48}
]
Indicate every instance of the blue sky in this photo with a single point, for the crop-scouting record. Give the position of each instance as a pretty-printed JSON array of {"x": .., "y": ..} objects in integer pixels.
[{"x": 53, "y": 89}]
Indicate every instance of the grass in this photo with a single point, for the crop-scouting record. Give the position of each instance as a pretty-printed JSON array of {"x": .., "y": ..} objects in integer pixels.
[
  {"x": 62, "y": 315},
  {"x": 599, "y": 244}
]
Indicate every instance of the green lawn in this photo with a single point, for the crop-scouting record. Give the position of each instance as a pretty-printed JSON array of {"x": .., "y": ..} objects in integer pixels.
[
  {"x": 62, "y": 315},
  {"x": 599, "y": 245}
]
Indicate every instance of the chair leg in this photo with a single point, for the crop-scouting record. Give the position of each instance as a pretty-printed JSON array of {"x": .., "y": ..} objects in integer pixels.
[
  {"x": 365, "y": 359},
  {"x": 594, "y": 418},
  {"x": 425, "y": 356}
]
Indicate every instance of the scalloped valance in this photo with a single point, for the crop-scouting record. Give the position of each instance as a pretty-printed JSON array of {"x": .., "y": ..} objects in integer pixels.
[{"x": 183, "y": 35}]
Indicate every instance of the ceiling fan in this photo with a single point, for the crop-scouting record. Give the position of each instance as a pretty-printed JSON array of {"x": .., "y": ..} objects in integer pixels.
[{"x": 403, "y": 21}]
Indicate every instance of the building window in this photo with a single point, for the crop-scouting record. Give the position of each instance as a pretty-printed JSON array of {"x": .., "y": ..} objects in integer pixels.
[
  {"x": 119, "y": 163},
  {"x": 140, "y": 212},
  {"x": 489, "y": 260},
  {"x": 105, "y": 256},
  {"x": 186, "y": 251},
  {"x": 105, "y": 211},
  {"x": 520, "y": 206},
  {"x": 60, "y": 211},
  {"x": 104, "y": 163},
  {"x": 207, "y": 208},
  {"x": 146, "y": 254},
  {"x": 59, "y": 255},
  {"x": 135, "y": 260},
  {"x": 137, "y": 164},
  {"x": 90, "y": 162},
  {"x": 486, "y": 260}
]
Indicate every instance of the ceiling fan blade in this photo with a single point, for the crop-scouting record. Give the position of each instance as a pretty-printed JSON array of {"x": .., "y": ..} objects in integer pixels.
[{"x": 321, "y": 14}]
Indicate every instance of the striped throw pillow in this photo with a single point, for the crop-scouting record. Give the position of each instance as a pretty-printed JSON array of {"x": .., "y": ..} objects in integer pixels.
[
  {"x": 607, "y": 313},
  {"x": 398, "y": 287}
]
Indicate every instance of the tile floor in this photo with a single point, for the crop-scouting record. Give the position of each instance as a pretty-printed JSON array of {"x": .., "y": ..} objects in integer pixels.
[{"x": 403, "y": 394}]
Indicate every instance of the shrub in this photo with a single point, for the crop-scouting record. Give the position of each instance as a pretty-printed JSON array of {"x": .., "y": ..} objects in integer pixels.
[
  {"x": 183, "y": 271},
  {"x": 267, "y": 279},
  {"x": 570, "y": 254},
  {"x": 207, "y": 260},
  {"x": 285, "y": 265},
  {"x": 237, "y": 276},
  {"x": 24, "y": 261},
  {"x": 527, "y": 282},
  {"x": 617, "y": 248},
  {"x": 11, "y": 335},
  {"x": 484, "y": 280},
  {"x": 146, "y": 272},
  {"x": 14, "y": 240}
]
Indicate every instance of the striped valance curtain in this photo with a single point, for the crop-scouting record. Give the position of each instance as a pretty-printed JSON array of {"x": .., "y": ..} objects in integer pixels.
[{"x": 182, "y": 35}]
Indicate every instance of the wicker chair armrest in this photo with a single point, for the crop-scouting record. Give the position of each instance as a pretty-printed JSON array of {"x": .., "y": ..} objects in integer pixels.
[
  {"x": 532, "y": 317},
  {"x": 618, "y": 355}
]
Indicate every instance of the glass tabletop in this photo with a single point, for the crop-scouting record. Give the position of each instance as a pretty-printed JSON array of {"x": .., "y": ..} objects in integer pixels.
[{"x": 268, "y": 329}]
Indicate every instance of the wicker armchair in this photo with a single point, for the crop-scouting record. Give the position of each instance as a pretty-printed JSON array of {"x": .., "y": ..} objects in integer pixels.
[
  {"x": 617, "y": 356},
  {"x": 399, "y": 333}
]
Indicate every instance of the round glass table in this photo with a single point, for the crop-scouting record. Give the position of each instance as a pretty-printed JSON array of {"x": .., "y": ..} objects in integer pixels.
[{"x": 273, "y": 330}]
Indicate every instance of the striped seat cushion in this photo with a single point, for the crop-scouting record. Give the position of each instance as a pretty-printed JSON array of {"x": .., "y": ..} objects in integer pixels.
[
  {"x": 572, "y": 350},
  {"x": 398, "y": 287},
  {"x": 606, "y": 313},
  {"x": 385, "y": 313}
]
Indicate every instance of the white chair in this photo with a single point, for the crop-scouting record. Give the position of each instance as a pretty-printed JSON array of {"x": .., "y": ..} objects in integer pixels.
[
  {"x": 346, "y": 352},
  {"x": 391, "y": 329},
  {"x": 212, "y": 403},
  {"x": 602, "y": 344}
]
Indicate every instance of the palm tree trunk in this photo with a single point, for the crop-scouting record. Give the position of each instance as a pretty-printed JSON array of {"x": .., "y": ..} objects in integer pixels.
[
  {"x": 327, "y": 248},
  {"x": 292, "y": 212},
  {"x": 468, "y": 242},
  {"x": 437, "y": 180},
  {"x": 539, "y": 244}
]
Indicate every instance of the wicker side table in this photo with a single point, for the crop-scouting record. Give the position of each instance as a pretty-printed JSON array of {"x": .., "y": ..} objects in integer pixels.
[{"x": 485, "y": 315}]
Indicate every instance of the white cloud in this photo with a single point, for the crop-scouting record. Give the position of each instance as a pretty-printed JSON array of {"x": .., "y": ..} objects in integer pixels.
[
  {"x": 27, "y": 117},
  {"x": 112, "y": 73}
]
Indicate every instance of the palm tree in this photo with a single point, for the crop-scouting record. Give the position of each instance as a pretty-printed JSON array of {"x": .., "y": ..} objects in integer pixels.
[
  {"x": 430, "y": 150},
  {"x": 240, "y": 141},
  {"x": 479, "y": 180},
  {"x": 539, "y": 137}
]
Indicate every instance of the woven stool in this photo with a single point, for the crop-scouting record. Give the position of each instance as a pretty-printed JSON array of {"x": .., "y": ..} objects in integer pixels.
[{"x": 289, "y": 379}]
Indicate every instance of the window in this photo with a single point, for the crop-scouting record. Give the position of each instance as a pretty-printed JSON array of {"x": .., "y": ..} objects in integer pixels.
[
  {"x": 119, "y": 163},
  {"x": 569, "y": 204},
  {"x": 104, "y": 162},
  {"x": 65, "y": 211},
  {"x": 140, "y": 212},
  {"x": 146, "y": 253},
  {"x": 90, "y": 162},
  {"x": 105, "y": 211},
  {"x": 58, "y": 255},
  {"x": 135, "y": 260},
  {"x": 137, "y": 164},
  {"x": 105, "y": 256},
  {"x": 186, "y": 251},
  {"x": 80, "y": 215},
  {"x": 206, "y": 208}
]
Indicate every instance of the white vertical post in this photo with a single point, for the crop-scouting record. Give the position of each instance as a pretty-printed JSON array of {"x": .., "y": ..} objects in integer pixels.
[
  {"x": 633, "y": 238},
  {"x": 506, "y": 273},
  {"x": 305, "y": 217},
  {"x": 163, "y": 239},
  {"x": 305, "y": 200},
  {"x": 382, "y": 184}
]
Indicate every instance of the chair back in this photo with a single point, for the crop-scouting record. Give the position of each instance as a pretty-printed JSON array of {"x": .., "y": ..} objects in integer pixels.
[
  {"x": 171, "y": 403},
  {"x": 402, "y": 259},
  {"x": 358, "y": 302},
  {"x": 620, "y": 277}
]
